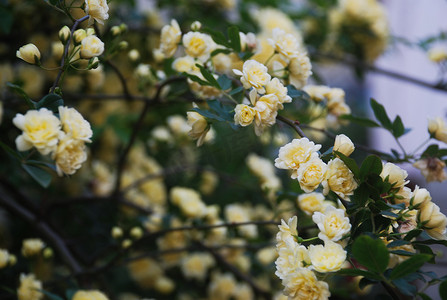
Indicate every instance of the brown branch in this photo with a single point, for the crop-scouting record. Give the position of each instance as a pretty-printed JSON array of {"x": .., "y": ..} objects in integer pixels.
[
  {"x": 43, "y": 228},
  {"x": 352, "y": 61},
  {"x": 121, "y": 78},
  {"x": 295, "y": 125},
  {"x": 66, "y": 47}
]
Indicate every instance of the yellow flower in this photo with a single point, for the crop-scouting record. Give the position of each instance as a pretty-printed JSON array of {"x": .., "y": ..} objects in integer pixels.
[
  {"x": 29, "y": 288},
  {"x": 437, "y": 54},
  {"x": 29, "y": 53},
  {"x": 310, "y": 203},
  {"x": 311, "y": 174},
  {"x": 97, "y": 10},
  {"x": 292, "y": 155},
  {"x": 91, "y": 46},
  {"x": 266, "y": 112},
  {"x": 164, "y": 285},
  {"x": 74, "y": 124},
  {"x": 199, "y": 126},
  {"x": 189, "y": 201},
  {"x": 333, "y": 223},
  {"x": 89, "y": 295},
  {"x": 420, "y": 196},
  {"x": 198, "y": 45},
  {"x": 195, "y": 266},
  {"x": 279, "y": 90},
  {"x": 432, "y": 168},
  {"x": 300, "y": 70},
  {"x": 184, "y": 64},
  {"x": 302, "y": 284},
  {"x": 244, "y": 114},
  {"x": 343, "y": 144},
  {"x": 438, "y": 129},
  {"x": 254, "y": 74},
  {"x": 40, "y": 129},
  {"x": 327, "y": 258},
  {"x": 170, "y": 37},
  {"x": 395, "y": 175},
  {"x": 284, "y": 43},
  {"x": 317, "y": 93},
  {"x": 31, "y": 247},
  {"x": 291, "y": 256},
  {"x": 433, "y": 220},
  {"x": 69, "y": 156},
  {"x": 339, "y": 179},
  {"x": 222, "y": 286}
]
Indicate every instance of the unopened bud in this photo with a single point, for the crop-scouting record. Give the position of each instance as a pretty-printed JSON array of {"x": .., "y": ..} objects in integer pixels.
[
  {"x": 116, "y": 232},
  {"x": 115, "y": 30},
  {"x": 134, "y": 55},
  {"x": 12, "y": 260},
  {"x": 79, "y": 35},
  {"x": 196, "y": 25},
  {"x": 136, "y": 233},
  {"x": 126, "y": 243},
  {"x": 90, "y": 31},
  {"x": 123, "y": 45},
  {"x": 123, "y": 27},
  {"x": 93, "y": 63},
  {"x": 48, "y": 253},
  {"x": 64, "y": 34},
  {"x": 29, "y": 53}
]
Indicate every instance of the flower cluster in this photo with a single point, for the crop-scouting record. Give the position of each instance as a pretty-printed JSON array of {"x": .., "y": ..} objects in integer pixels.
[
  {"x": 64, "y": 137},
  {"x": 302, "y": 158}
]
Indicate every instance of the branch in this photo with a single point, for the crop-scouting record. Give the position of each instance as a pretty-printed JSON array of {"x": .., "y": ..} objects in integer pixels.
[
  {"x": 67, "y": 45},
  {"x": 294, "y": 124},
  {"x": 120, "y": 75},
  {"x": 43, "y": 228},
  {"x": 352, "y": 61}
]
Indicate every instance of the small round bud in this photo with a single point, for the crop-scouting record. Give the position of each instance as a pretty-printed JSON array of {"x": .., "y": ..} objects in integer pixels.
[
  {"x": 158, "y": 55},
  {"x": 123, "y": 27},
  {"x": 116, "y": 232},
  {"x": 115, "y": 30},
  {"x": 123, "y": 45},
  {"x": 136, "y": 233},
  {"x": 29, "y": 53},
  {"x": 79, "y": 35},
  {"x": 134, "y": 55},
  {"x": 196, "y": 25},
  {"x": 126, "y": 243},
  {"x": 90, "y": 31},
  {"x": 12, "y": 259},
  {"x": 64, "y": 34},
  {"x": 48, "y": 253}
]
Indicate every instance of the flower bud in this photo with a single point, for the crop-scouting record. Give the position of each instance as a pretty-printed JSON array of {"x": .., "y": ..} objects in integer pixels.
[
  {"x": 136, "y": 233},
  {"x": 29, "y": 53},
  {"x": 116, "y": 232},
  {"x": 158, "y": 55},
  {"x": 123, "y": 27},
  {"x": 438, "y": 129},
  {"x": 79, "y": 35},
  {"x": 48, "y": 253},
  {"x": 126, "y": 243},
  {"x": 433, "y": 220},
  {"x": 134, "y": 55},
  {"x": 90, "y": 31},
  {"x": 64, "y": 34},
  {"x": 420, "y": 197},
  {"x": 196, "y": 25},
  {"x": 115, "y": 30},
  {"x": 93, "y": 63},
  {"x": 123, "y": 45},
  {"x": 343, "y": 144},
  {"x": 12, "y": 259}
]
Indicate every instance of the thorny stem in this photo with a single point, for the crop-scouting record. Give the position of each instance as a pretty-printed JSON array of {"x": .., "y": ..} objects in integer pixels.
[{"x": 67, "y": 45}]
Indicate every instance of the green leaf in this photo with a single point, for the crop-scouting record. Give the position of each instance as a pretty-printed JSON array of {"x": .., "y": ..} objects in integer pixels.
[
  {"x": 6, "y": 20},
  {"x": 236, "y": 90},
  {"x": 51, "y": 102},
  {"x": 197, "y": 79},
  {"x": 397, "y": 243},
  {"x": 217, "y": 36},
  {"x": 235, "y": 41},
  {"x": 371, "y": 165},
  {"x": 349, "y": 162},
  {"x": 359, "y": 120},
  {"x": 443, "y": 290},
  {"x": 19, "y": 91},
  {"x": 431, "y": 151},
  {"x": 398, "y": 127},
  {"x": 41, "y": 176},
  {"x": 208, "y": 76},
  {"x": 11, "y": 151},
  {"x": 208, "y": 114},
  {"x": 361, "y": 195},
  {"x": 412, "y": 234},
  {"x": 371, "y": 253},
  {"x": 381, "y": 115},
  {"x": 407, "y": 288},
  {"x": 224, "y": 82},
  {"x": 358, "y": 272},
  {"x": 424, "y": 296},
  {"x": 70, "y": 293},
  {"x": 409, "y": 266},
  {"x": 220, "y": 50},
  {"x": 297, "y": 94}
]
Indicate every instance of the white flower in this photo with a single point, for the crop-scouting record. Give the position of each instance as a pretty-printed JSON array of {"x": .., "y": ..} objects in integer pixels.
[
  {"x": 311, "y": 174},
  {"x": 277, "y": 88},
  {"x": 97, "y": 10},
  {"x": 32, "y": 247},
  {"x": 189, "y": 201},
  {"x": 170, "y": 37},
  {"x": 333, "y": 223},
  {"x": 29, "y": 288},
  {"x": 311, "y": 202},
  {"x": 69, "y": 156},
  {"x": 244, "y": 114},
  {"x": 287, "y": 232},
  {"x": 195, "y": 266},
  {"x": 394, "y": 175},
  {"x": 296, "y": 152},
  {"x": 291, "y": 257},
  {"x": 438, "y": 129},
  {"x": 74, "y": 124},
  {"x": 302, "y": 284},
  {"x": 300, "y": 70},
  {"x": 339, "y": 179},
  {"x": 327, "y": 258},
  {"x": 343, "y": 144},
  {"x": 40, "y": 130},
  {"x": 91, "y": 46},
  {"x": 198, "y": 45},
  {"x": 254, "y": 74},
  {"x": 199, "y": 126},
  {"x": 284, "y": 43}
]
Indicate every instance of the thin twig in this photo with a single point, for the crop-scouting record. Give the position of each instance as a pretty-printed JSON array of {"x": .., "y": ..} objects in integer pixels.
[
  {"x": 294, "y": 124},
  {"x": 121, "y": 78},
  {"x": 66, "y": 47}
]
